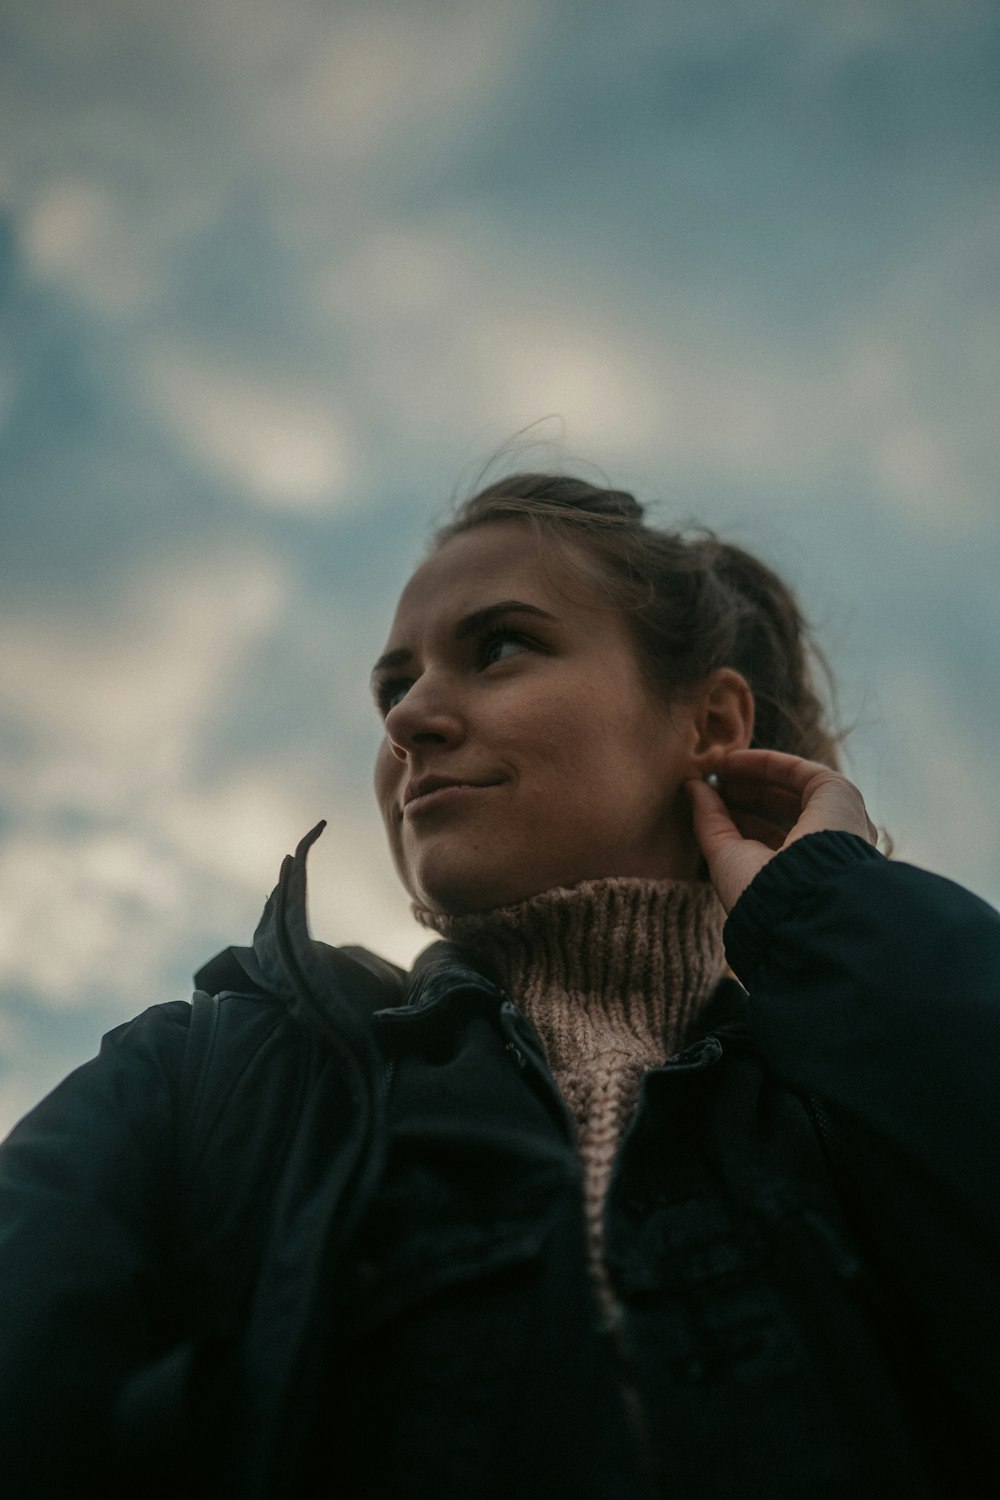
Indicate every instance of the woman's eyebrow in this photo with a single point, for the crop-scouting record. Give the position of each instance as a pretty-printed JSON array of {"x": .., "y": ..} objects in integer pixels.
[{"x": 468, "y": 625}]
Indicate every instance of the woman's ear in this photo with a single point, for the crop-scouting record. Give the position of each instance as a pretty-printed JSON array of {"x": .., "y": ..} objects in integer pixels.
[{"x": 723, "y": 720}]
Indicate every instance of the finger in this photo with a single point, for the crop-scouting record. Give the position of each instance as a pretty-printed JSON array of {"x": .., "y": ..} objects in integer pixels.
[
  {"x": 732, "y": 860},
  {"x": 777, "y": 769},
  {"x": 775, "y": 803},
  {"x": 727, "y": 824},
  {"x": 761, "y": 830},
  {"x": 827, "y": 799},
  {"x": 713, "y": 824}
]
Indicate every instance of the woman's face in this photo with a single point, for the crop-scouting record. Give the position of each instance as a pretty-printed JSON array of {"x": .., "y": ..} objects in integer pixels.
[{"x": 523, "y": 749}]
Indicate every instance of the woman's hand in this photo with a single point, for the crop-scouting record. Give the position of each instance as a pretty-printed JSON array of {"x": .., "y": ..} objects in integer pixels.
[{"x": 766, "y": 800}]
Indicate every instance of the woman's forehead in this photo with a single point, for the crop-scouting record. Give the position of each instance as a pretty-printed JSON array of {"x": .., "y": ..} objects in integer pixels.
[{"x": 500, "y": 559}]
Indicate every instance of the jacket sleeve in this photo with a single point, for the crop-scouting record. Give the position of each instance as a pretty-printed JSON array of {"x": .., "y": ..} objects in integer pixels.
[
  {"x": 875, "y": 988},
  {"x": 83, "y": 1225}
]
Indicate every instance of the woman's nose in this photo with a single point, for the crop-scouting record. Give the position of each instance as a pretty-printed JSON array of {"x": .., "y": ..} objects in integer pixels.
[{"x": 423, "y": 716}]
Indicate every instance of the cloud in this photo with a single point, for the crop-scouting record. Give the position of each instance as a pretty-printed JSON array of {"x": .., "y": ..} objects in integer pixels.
[
  {"x": 468, "y": 322},
  {"x": 107, "y": 707},
  {"x": 469, "y": 326},
  {"x": 377, "y": 80},
  {"x": 8, "y": 388},
  {"x": 285, "y": 445},
  {"x": 472, "y": 327},
  {"x": 925, "y": 765},
  {"x": 77, "y": 233},
  {"x": 84, "y": 918},
  {"x": 916, "y": 469}
]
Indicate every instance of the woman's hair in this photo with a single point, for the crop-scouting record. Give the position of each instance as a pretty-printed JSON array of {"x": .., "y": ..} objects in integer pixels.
[{"x": 694, "y": 603}]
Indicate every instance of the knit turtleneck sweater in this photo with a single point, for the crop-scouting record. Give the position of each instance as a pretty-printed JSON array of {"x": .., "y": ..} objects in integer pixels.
[{"x": 613, "y": 974}]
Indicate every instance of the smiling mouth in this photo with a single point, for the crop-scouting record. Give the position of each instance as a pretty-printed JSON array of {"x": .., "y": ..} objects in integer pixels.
[{"x": 439, "y": 796}]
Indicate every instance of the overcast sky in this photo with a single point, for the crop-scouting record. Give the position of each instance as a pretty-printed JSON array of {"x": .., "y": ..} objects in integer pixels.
[{"x": 275, "y": 282}]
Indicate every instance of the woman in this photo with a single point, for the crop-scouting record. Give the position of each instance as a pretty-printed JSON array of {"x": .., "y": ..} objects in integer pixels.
[{"x": 566, "y": 1212}]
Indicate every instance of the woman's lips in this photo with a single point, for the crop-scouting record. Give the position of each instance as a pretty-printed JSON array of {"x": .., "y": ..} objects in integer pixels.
[{"x": 440, "y": 796}]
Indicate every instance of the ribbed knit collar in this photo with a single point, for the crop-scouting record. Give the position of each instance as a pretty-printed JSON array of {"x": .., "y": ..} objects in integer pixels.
[{"x": 623, "y": 962}]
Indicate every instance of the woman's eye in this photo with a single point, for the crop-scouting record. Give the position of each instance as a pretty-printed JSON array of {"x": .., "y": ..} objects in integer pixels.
[
  {"x": 493, "y": 648},
  {"x": 390, "y": 693},
  {"x": 501, "y": 646}
]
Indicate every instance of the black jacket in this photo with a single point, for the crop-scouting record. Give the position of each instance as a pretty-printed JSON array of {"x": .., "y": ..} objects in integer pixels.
[{"x": 322, "y": 1229}]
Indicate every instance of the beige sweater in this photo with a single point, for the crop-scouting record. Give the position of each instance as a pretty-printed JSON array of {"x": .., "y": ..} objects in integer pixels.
[{"x": 613, "y": 974}]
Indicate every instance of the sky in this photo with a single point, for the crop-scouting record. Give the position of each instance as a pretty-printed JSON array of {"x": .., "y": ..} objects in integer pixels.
[{"x": 278, "y": 281}]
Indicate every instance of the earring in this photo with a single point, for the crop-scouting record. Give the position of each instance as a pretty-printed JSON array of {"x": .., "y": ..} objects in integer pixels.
[{"x": 713, "y": 780}]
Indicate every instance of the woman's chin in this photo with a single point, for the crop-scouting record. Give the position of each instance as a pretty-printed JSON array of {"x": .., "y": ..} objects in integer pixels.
[
  {"x": 459, "y": 899},
  {"x": 456, "y": 892}
]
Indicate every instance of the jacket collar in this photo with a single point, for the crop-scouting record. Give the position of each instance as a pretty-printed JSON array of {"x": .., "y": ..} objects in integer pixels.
[
  {"x": 320, "y": 984},
  {"x": 444, "y": 967}
]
